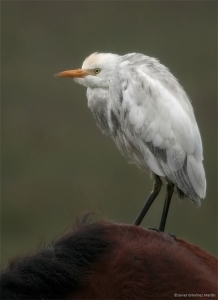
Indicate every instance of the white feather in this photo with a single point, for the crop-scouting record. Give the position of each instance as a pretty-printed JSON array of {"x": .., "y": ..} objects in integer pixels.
[
  {"x": 197, "y": 175},
  {"x": 168, "y": 123},
  {"x": 157, "y": 127}
]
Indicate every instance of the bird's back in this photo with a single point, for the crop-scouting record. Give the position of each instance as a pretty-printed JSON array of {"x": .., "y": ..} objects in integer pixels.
[{"x": 157, "y": 118}]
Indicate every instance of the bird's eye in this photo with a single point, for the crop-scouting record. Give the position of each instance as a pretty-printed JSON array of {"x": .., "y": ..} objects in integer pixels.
[{"x": 97, "y": 71}]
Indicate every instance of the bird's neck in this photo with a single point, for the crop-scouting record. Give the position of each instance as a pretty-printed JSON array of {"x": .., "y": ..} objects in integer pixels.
[
  {"x": 98, "y": 102},
  {"x": 93, "y": 82}
]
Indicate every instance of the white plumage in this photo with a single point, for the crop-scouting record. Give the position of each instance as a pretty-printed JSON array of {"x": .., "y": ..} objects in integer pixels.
[{"x": 142, "y": 106}]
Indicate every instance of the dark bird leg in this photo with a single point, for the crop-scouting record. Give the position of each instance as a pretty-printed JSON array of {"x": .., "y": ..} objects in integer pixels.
[
  {"x": 169, "y": 193},
  {"x": 152, "y": 196}
]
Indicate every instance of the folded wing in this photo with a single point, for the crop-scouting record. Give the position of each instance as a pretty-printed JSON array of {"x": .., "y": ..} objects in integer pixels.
[{"x": 158, "y": 119}]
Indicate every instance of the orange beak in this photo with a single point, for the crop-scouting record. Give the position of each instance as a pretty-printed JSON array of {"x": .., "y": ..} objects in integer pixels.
[{"x": 79, "y": 73}]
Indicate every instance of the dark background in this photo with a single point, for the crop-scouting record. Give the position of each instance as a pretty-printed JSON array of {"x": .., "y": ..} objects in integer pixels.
[{"x": 56, "y": 164}]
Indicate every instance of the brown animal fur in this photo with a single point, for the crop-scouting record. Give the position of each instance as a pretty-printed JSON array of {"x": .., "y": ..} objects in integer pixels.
[
  {"x": 145, "y": 264},
  {"x": 105, "y": 260}
]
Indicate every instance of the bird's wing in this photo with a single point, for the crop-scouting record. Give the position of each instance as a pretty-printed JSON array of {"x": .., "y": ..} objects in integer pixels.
[{"x": 161, "y": 124}]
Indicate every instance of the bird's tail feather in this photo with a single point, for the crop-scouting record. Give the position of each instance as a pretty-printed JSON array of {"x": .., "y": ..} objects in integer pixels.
[
  {"x": 196, "y": 175},
  {"x": 183, "y": 180}
]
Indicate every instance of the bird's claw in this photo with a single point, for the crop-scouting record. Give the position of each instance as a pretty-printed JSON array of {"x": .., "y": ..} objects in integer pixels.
[
  {"x": 155, "y": 229},
  {"x": 173, "y": 236}
]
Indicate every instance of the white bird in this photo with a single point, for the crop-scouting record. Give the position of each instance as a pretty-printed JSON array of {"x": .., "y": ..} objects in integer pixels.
[{"x": 141, "y": 105}]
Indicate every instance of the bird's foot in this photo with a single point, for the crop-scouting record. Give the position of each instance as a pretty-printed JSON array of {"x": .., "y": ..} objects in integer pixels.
[
  {"x": 173, "y": 236},
  {"x": 155, "y": 229}
]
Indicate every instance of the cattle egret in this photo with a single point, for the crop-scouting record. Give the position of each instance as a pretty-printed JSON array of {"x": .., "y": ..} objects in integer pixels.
[{"x": 141, "y": 105}]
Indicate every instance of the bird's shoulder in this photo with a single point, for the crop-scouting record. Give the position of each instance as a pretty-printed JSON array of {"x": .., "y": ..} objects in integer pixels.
[
  {"x": 138, "y": 67},
  {"x": 144, "y": 79}
]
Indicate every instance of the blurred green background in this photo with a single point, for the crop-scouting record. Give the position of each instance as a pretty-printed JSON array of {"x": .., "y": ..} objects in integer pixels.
[{"x": 56, "y": 164}]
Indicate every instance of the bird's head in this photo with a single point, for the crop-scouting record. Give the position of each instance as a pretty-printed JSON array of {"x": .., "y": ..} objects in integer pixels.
[{"x": 97, "y": 70}]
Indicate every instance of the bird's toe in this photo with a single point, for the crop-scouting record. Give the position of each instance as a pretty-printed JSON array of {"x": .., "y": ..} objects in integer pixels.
[{"x": 155, "y": 229}]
